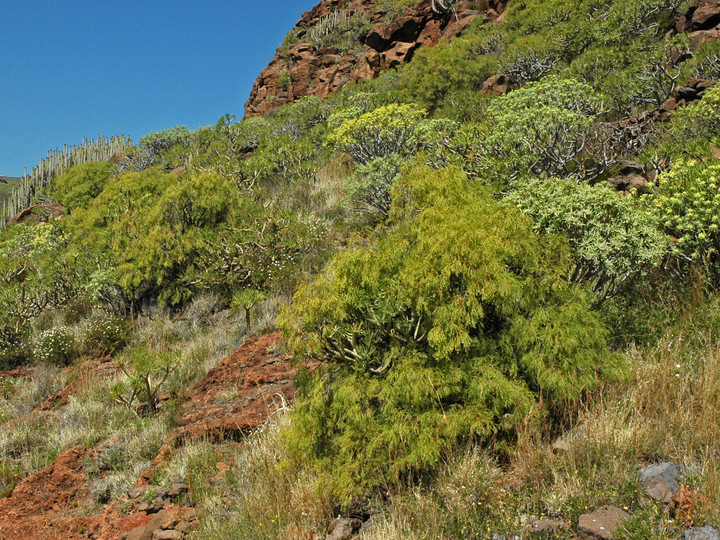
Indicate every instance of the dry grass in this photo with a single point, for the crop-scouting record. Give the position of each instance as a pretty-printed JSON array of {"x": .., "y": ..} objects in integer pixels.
[
  {"x": 259, "y": 495},
  {"x": 19, "y": 396},
  {"x": 204, "y": 336},
  {"x": 669, "y": 412},
  {"x": 328, "y": 194}
]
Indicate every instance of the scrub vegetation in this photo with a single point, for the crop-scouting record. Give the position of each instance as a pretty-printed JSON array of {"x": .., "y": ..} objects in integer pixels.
[{"x": 503, "y": 334}]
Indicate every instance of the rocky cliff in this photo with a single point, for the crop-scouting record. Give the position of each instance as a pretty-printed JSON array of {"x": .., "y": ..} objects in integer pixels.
[{"x": 375, "y": 39}]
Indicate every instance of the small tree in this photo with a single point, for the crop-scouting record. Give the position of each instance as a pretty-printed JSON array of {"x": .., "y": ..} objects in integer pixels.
[
  {"x": 392, "y": 129},
  {"x": 246, "y": 300},
  {"x": 380, "y": 141},
  {"x": 146, "y": 372},
  {"x": 544, "y": 127},
  {"x": 158, "y": 142}
]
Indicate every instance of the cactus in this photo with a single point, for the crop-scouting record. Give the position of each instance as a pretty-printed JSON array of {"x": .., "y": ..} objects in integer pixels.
[
  {"x": 326, "y": 25},
  {"x": 443, "y": 7},
  {"x": 56, "y": 163}
]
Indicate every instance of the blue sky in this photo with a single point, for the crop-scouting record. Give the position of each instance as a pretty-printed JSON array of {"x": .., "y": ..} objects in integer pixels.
[{"x": 76, "y": 68}]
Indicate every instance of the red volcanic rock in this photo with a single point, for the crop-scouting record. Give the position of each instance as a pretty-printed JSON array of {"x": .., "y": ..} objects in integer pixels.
[
  {"x": 240, "y": 394},
  {"x": 235, "y": 397},
  {"x": 706, "y": 15},
  {"x": 400, "y": 53},
  {"x": 38, "y": 213},
  {"x": 309, "y": 69},
  {"x": 703, "y": 21},
  {"x": 43, "y": 505}
]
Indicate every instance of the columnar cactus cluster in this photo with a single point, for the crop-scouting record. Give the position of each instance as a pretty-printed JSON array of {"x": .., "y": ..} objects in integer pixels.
[{"x": 57, "y": 162}]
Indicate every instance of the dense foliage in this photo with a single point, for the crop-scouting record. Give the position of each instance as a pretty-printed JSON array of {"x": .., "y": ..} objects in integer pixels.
[
  {"x": 613, "y": 236},
  {"x": 452, "y": 327}
]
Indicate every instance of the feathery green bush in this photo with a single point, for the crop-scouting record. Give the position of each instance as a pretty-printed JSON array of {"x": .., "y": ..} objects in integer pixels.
[
  {"x": 82, "y": 183},
  {"x": 454, "y": 326}
]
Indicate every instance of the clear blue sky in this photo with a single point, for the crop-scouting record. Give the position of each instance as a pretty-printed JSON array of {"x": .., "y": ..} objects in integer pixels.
[{"x": 77, "y": 68}]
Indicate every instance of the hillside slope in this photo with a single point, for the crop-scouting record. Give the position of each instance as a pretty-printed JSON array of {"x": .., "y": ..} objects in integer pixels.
[{"x": 475, "y": 295}]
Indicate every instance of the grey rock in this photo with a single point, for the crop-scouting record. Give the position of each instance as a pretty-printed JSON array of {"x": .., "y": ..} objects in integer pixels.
[
  {"x": 701, "y": 533},
  {"x": 343, "y": 528},
  {"x": 602, "y": 523},
  {"x": 547, "y": 526},
  {"x": 660, "y": 481}
]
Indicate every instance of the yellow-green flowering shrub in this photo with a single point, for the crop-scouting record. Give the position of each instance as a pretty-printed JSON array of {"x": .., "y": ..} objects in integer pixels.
[
  {"x": 395, "y": 128},
  {"x": 380, "y": 141},
  {"x": 688, "y": 203}
]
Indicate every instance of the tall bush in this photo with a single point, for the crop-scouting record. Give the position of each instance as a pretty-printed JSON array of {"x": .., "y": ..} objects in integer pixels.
[
  {"x": 456, "y": 325},
  {"x": 614, "y": 237}
]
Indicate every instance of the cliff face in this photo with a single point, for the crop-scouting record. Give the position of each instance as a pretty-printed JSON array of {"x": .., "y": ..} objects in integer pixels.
[{"x": 309, "y": 68}]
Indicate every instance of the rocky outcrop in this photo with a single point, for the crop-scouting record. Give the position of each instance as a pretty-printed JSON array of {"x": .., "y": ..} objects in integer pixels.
[
  {"x": 693, "y": 90},
  {"x": 632, "y": 176},
  {"x": 38, "y": 213},
  {"x": 308, "y": 69},
  {"x": 702, "y": 21}
]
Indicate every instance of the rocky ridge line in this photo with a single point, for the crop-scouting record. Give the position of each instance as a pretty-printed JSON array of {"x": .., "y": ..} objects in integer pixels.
[{"x": 310, "y": 69}]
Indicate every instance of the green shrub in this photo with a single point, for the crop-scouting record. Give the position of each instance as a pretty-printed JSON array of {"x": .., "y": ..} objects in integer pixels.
[
  {"x": 245, "y": 301},
  {"x": 107, "y": 334},
  {"x": 380, "y": 141},
  {"x": 614, "y": 237},
  {"x": 146, "y": 371},
  {"x": 77, "y": 310},
  {"x": 391, "y": 129},
  {"x": 82, "y": 183},
  {"x": 161, "y": 141},
  {"x": 544, "y": 127},
  {"x": 371, "y": 183},
  {"x": 688, "y": 205},
  {"x": 13, "y": 345},
  {"x": 707, "y": 61},
  {"x": 56, "y": 346},
  {"x": 437, "y": 75},
  {"x": 698, "y": 120},
  {"x": 455, "y": 326}
]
